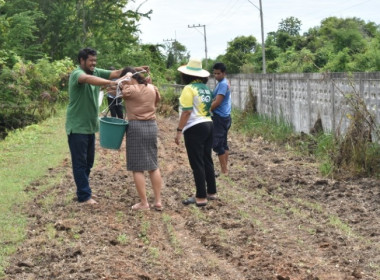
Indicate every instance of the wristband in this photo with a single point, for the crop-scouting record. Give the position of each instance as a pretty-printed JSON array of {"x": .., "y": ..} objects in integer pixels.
[{"x": 179, "y": 129}]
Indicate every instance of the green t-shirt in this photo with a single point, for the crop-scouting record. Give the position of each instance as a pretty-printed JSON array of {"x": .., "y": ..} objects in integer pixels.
[{"x": 83, "y": 109}]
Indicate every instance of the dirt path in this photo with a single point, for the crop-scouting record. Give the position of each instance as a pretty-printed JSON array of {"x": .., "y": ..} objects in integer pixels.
[{"x": 276, "y": 219}]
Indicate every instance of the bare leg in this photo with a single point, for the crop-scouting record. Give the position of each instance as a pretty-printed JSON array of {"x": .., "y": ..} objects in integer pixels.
[
  {"x": 223, "y": 162},
  {"x": 155, "y": 178},
  {"x": 139, "y": 179},
  {"x": 226, "y": 153}
]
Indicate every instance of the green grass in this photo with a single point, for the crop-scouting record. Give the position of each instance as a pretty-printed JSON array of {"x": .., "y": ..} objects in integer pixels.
[
  {"x": 25, "y": 156},
  {"x": 256, "y": 125},
  {"x": 322, "y": 146}
]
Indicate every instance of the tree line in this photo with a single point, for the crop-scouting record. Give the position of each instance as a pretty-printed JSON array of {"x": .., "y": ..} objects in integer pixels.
[
  {"x": 40, "y": 40},
  {"x": 337, "y": 45}
]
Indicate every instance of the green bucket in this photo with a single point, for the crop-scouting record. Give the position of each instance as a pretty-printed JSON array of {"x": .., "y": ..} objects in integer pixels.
[{"x": 112, "y": 131}]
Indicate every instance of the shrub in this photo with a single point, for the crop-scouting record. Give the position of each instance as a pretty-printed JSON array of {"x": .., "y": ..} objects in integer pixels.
[{"x": 31, "y": 91}]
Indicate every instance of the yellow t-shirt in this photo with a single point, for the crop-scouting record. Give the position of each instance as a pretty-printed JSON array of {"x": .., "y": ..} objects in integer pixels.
[{"x": 198, "y": 98}]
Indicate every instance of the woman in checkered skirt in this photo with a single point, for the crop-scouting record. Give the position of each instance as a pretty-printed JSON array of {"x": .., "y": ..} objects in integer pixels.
[{"x": 141, "y": 99}]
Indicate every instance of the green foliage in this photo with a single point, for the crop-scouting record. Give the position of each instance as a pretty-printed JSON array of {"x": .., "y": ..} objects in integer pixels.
[
  {"x": 58, "y": 29},
  {"x": 8, "y": 58},
  {"x": 169, "y": 101},
  {"x": 338, "y": 45},
  {"x": 239, "y": 52},
  {"x": 31, "y": 91},
  {"x": 19, "y": 28},
  {"x": 292, "y": 61},
  {"x": 290, "y": 25},
  {"x": 177, "y": 54},
  {"x": 256, "y": 125}
]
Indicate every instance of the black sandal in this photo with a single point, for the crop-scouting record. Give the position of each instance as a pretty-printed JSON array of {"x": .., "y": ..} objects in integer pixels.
[{"x": 192, "y": 200}]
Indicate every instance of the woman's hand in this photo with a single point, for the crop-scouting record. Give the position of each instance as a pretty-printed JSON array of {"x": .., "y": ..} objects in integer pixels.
[
  {"x": 178, "y": 137},
  {"x": 125, "y": 78},
  {"x": 148, "y": 80},
  {"x": 144, "y": 67}
]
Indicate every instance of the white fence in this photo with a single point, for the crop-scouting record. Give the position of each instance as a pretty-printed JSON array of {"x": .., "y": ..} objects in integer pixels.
[{"x": 302, "y": 99}]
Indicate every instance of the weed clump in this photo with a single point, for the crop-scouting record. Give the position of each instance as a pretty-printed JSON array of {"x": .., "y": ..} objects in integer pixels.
[{"x": 357, "y": 150}]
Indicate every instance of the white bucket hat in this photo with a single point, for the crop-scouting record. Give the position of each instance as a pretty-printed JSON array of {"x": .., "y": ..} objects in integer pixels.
[{"x": 194, "y": 68}]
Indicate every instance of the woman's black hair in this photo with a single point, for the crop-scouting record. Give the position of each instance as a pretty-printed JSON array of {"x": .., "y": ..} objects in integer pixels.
[
  {"x": 187, "y": 79},
  {"x": 139, "y": 78}
]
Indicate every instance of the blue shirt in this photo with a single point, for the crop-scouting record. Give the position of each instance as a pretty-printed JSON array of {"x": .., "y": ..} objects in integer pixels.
[{"x": 223, "y": 88}]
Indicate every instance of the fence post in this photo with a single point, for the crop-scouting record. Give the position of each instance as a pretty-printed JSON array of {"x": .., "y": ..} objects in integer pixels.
[
  {"x": 290, "y": 101},
  {"x": 274, "y": 98},
  {"x": 240, "y": 93},
  {"x": 333, "y": 105},
  {"x": 309, "y": 102},
  {"x": 261, "y": 95}
]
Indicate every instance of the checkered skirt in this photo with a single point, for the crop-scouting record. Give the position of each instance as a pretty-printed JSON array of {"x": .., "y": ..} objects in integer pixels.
[{"x": 142, "y": 145}]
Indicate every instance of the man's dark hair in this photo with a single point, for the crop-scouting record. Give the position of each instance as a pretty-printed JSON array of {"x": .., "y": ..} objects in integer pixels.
[
  {"x": 84, "y": 53},
  {"x": 219, "y": 66},
  {"x": 187, "y": 79}
]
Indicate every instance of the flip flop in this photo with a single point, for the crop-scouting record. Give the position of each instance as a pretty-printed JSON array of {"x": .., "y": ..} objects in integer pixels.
[
  {"x": 201, "y": 204},
  {"x": 192, "y": 200},
  {"x": 138, "y": 206},
  {"x": 158, "y": 207}
]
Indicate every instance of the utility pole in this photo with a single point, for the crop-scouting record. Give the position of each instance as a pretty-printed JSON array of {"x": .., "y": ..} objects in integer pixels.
[
  {"x": 262, "y": 33},
  {"x": 204, "y": 34},
  {"x": 169, "y": 40}
]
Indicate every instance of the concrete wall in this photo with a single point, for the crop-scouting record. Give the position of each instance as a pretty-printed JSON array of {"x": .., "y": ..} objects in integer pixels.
[{"x": 301, "y": 99}]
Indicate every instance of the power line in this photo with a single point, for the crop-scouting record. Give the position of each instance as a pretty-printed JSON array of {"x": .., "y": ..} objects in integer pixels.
[
  {"x": 221, "y": 16},
  {"x": 204, "y": 34}
]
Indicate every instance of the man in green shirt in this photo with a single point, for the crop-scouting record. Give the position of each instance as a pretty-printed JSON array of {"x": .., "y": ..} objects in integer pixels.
[{"x": 82, "y": 121}]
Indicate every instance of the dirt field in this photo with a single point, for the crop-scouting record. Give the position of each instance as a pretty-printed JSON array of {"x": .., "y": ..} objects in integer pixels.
[{"x": 277, "y": 218}]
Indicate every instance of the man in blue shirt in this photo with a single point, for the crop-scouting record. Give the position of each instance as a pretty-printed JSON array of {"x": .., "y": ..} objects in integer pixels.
[{"x": 221, "y": 109}]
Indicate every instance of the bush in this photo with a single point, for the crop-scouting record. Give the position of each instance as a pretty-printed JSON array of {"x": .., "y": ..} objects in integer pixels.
[
  {"x": 31, "y": 91},
  {"x": 169, "y": 102}
]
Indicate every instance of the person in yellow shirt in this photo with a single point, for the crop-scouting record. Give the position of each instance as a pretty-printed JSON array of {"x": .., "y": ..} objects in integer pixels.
[{"x": 197, "y": 128}]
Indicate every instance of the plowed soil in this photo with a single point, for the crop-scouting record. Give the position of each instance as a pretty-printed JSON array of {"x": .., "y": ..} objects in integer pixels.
[{"x": 276, "y": 218}]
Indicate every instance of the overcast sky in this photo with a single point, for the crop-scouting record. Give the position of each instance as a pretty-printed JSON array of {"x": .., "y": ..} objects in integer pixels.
[{"x": 224, "y": 20}]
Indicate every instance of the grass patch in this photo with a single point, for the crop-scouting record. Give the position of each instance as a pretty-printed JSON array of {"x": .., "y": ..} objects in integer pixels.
[
  {"x": 25, "y": 156},
  {"x": 171, "y": 232},
  {"x": 256, "y": 125},
  {"x": 123, "y": 239},
  {"x": 336, "y": 222}
]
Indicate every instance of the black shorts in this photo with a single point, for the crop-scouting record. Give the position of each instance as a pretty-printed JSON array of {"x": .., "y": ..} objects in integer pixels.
[{"x": 221, "y": 127}]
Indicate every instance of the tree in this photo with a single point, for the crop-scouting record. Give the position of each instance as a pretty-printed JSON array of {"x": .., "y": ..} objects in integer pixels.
[
  {"x": 290, "y": 25},
  {"x": 19, "y": 28},
  {"x": 239, "y": 52},
  {"x": 60, "y": 28},
  {"x": 176, "y": 54},
  {"x": 287, "y": 35}
]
